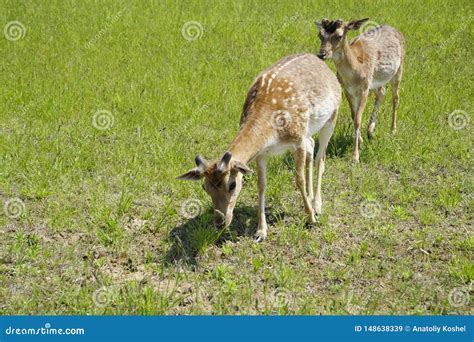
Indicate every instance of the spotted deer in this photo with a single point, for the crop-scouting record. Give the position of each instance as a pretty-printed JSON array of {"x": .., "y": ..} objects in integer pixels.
[
  {"x": 286, "y": 105},
  {"x": 367, "y": 63}
]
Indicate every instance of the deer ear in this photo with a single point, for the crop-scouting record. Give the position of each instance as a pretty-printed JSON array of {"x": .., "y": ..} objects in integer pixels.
[
  {"x": 200, "y": 162},
  {"x": 241, "y": 167},
  {"x": 194, "y": 175},
  {"x": 356, "y": 24},
  {"x": 224, "y": 163},
  {"x": 321, "y": 23}
]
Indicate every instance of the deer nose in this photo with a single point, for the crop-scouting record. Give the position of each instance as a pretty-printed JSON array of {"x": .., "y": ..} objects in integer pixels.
[
  {"x": 322, "y": 54},
  {"x": 219, "y": 219}
]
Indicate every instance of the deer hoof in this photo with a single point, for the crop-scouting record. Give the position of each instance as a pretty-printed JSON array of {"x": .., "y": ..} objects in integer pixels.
[
  {"x": 371, "y": 131},
  {"x": 317, "y": 208},
  {"x": 260, "y": 236}
]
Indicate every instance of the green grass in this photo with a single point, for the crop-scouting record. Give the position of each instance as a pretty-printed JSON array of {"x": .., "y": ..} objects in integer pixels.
[{"x": 102, "y": 230}]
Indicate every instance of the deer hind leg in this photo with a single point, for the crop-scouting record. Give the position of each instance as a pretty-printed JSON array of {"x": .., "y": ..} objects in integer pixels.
[
  {"x": 300, "y": 158},
  {"x": 395, "y": 96},
  {"x": 309, "y": 167},
  {"x": 379, "y": 96},
  {"x": 324, "y": 135}
]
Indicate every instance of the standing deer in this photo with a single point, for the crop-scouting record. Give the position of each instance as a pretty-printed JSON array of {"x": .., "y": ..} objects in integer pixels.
[
  {"x": 287, "y": 103},
  {"x": 368, "y": 62}
]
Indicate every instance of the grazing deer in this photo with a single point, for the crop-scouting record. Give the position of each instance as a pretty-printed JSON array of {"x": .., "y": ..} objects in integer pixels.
[
  {"x": 368, "y": 62},
  {"x": 287, "y": 103}
]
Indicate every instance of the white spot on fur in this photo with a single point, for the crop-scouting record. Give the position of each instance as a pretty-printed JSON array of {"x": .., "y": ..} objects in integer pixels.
[{"x": 269, "y": 83}]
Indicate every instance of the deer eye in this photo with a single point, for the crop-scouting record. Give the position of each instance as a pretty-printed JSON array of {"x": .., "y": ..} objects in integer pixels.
[{"x": 232, "y": 186}]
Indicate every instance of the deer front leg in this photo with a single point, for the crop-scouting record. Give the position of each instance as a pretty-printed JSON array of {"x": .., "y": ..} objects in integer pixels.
[
  {"x": 262, "y": 184},
  {"x": 300, "y": 157},
  {"x": 353, "y": 105},
  {"x": 360, "y": 106}
]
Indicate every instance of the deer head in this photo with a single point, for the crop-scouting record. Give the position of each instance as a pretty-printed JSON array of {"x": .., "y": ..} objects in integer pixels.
[
  {"x": 222, "y": 181},
  {"x": 333, "y": 34}
]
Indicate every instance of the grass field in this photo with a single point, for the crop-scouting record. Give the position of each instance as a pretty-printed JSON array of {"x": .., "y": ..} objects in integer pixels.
[{"x": 103, "y": 104}]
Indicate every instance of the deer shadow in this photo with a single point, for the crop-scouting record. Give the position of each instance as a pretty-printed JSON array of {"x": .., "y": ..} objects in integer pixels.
[{"x": 195, "y": 235}]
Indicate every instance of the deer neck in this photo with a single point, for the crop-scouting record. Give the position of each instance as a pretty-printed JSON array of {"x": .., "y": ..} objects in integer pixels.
[
  {"x": 250, "y": 140},
  {"x": 345, "y": 60}
]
